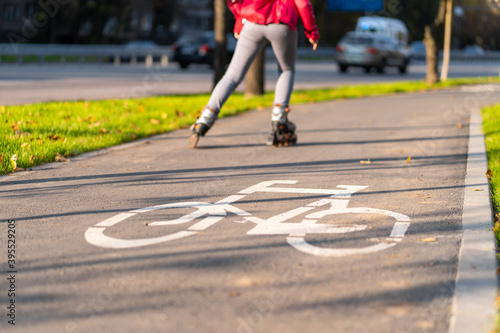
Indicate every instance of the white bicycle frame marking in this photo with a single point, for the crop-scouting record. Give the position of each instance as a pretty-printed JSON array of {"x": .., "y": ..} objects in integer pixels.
[{"x": 296, "y": 232}]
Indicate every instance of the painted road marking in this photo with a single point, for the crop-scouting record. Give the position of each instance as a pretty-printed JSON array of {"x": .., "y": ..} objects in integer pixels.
[
  {"x": 277, "y": 225},
  {"x": 343, "y": 191}
]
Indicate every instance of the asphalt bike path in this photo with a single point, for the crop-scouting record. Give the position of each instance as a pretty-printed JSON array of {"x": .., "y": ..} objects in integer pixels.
[{"x": 355, "y": 229}]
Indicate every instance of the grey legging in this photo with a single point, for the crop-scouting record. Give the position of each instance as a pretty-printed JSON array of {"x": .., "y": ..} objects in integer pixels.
[{"x": 252, "y": 40}]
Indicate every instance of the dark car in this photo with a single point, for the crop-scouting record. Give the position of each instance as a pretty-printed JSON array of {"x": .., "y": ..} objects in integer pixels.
[
  {"x": 369, "y": 51},
  {"x": 199, "y": 48}
]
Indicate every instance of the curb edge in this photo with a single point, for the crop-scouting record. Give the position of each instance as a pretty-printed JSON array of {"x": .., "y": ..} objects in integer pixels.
[{"x": 476, "y": 284}]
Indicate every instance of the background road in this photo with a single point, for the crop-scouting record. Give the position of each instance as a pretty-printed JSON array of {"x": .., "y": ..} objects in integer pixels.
[
  {"x": 29, "y": 83},
  {"x": 223, "y": 280}
]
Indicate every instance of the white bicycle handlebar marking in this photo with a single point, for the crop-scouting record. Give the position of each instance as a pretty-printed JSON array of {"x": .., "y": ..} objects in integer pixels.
[{"x": 276, "y": 225}]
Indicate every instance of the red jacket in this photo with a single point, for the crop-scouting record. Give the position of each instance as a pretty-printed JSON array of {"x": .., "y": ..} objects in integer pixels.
[{"x": 275, "y": 11}]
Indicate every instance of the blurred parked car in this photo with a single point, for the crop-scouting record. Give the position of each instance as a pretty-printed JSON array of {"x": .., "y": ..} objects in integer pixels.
[
  {"x": 473, "y": 51},
  {"x": 199, "y": 47},
  {"x": 370, "y": 50},
  {"x": 418, "y": 50}
]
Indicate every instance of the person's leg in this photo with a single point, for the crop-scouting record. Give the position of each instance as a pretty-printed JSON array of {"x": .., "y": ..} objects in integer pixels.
[
  {"x": 250, "y": 43},
  {"x": 284, "y": 43}
]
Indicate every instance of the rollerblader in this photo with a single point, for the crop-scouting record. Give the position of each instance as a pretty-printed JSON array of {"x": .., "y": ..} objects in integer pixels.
[{"x": 257, "y": 23}]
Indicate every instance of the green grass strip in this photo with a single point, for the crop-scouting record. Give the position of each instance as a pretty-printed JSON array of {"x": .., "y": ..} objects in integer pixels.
[
  {"x": 491, "y": 128},
  {"x": 43, "y": 132}
]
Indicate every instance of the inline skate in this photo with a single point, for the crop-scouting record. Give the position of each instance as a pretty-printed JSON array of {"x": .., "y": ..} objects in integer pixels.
[
  {"x": 204, "y": 122},
  {"x": 282, "y": 129}
]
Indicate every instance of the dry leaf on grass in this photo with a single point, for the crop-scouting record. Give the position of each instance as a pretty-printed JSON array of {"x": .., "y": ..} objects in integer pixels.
[{"x": 61, "y": 158}]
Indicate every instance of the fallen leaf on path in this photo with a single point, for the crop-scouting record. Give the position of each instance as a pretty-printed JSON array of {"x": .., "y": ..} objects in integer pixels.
[
  {"x": 460, "y": 126},
  {"x": 365, "y": 162},
  {"x": 408, "y": 159},
  {"x": 428, "y": 240},
  {"x": 477, "y": 189}
]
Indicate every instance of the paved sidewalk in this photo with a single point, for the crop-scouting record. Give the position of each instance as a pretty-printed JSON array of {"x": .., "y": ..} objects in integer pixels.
[{"x": 391, "y": 267}]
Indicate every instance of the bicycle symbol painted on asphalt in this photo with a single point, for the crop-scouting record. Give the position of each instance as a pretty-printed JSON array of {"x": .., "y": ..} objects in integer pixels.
[{"x": 336, "y": 202}]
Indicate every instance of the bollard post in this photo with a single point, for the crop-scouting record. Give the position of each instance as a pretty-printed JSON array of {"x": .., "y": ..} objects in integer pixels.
[
  {"x": 164, "y": 61},
  {"x": 149, "y": 61}
]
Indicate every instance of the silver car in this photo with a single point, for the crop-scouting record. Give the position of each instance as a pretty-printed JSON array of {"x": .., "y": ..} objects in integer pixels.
[{"x": 368, "y": 50}]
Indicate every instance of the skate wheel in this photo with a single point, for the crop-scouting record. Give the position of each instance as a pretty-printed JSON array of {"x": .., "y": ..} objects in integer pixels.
[{"x": 193, "y": 140}]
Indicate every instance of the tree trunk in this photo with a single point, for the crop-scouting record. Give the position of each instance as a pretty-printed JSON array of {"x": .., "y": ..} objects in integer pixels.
[
  {"x": 431, "y": 46},
  {"x": 220, "y": 56},
  {"x": 447, "y": 40},
  {"x": 255, "y": 77},
  {"x": 431, "y": 56}
]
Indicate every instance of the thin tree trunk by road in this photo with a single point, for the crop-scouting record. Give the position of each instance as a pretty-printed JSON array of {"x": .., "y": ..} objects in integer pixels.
[
  {"x": 220, "y": 56},
  {"x": 447, "y": 40},
  {"x": 255, "y": 77}
]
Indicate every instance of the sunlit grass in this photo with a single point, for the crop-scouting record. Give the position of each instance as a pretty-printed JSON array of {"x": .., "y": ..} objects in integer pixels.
[
  {"x": 36, "y": 133},
  {"x": 491, "y": 127}
]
